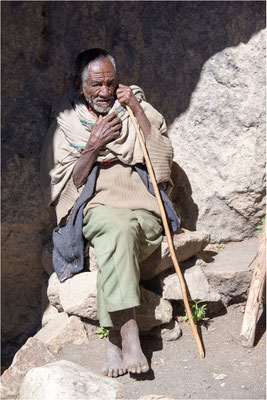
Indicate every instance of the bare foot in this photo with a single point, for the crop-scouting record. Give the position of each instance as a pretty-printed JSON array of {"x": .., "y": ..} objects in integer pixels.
[
  {"x": 114, "y": 363},
  {"x": 134, "y": 359}
]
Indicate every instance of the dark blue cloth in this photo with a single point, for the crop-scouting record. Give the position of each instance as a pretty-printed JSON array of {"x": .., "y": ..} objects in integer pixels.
[{"x": 68, "y": 240}]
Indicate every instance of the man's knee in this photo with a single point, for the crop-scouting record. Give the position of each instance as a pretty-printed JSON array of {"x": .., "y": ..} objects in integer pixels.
[{"x": 122, "y": 227}]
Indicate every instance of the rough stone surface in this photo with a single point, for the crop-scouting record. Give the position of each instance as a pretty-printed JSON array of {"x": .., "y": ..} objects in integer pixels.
[
  {"x": 49, "y": 313},
  {"x": 219, "y": 142},
  {"x": 65, "y": 380},
  {"x": 154, "y": 397},
  {"x": 33, "y": 354},
  {"x": 46, "y": 257},
  {"x": 227, "y": 278},
  {"x": 77, "y": 295},
  {"x": 178, "y": 41},
  {"x": 231, "y": 272},
  {"x": 53, "y": 291},
  {"x": 63, "y": 329},
  {"x": 153, "y": 310},
  {"x": 186, "y": 245},
  {"x": 196, "y": 282},
  {"x": 167, "y": 333}
]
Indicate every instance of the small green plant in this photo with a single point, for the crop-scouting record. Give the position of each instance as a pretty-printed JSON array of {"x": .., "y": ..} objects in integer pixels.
[
  {"x": 198, "y": 312},
  {"x": 219, "y": 246},
  {"x": 102, "y": 332},
  {"x": 260, "y": 226}
]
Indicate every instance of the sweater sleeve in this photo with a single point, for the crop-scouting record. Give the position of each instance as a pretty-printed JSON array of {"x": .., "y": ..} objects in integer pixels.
[{"x": 158, "y": 144}]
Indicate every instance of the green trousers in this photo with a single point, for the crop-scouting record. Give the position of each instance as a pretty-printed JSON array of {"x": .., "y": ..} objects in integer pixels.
[{"x": 121, "y": 239}]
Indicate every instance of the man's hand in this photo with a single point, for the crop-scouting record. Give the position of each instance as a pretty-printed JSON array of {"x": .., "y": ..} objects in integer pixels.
[
  {"x": 104, "y": 131},
  {"x": 126, "y": 97}
]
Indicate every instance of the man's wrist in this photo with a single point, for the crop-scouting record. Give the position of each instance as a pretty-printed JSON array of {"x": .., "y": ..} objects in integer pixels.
[{"x": 138, "y": 111}]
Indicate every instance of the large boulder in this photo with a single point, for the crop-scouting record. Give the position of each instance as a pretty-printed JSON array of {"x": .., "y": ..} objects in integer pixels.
[
  {"x": 63, "y": 329},
  {"x": 196, "y": 282},
  {"x": 32, "y": 354},
  {"x": 64, "y": 380},
  {"x": 77, "y": 296},
  {"x": 230, "y": 273},
  {"x": 225, "y": 279},
  {"x": 186, "y": 244},
  {"x": 153, "y": 311},
  {"x": 219, "y": 144}
]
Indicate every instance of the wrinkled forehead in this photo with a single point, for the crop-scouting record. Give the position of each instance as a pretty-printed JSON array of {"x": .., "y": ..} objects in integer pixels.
[{"x": 101, "y": 69}]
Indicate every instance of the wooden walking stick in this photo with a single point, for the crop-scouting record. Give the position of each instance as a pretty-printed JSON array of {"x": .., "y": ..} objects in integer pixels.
[{"x": 167, "y": 232}]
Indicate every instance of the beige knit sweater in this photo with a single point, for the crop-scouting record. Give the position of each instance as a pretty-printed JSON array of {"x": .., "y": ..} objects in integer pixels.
[{"x": 119, "y": 185}]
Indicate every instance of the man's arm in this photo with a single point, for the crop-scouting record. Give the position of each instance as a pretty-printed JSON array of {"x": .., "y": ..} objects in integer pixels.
[{"x": 103, "y": 132}]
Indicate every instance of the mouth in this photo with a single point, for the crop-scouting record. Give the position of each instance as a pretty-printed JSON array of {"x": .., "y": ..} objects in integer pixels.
[{"x": 103, "y": 101}]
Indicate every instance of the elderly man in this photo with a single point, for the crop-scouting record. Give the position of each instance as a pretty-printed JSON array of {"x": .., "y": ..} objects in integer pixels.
[{"x": 93, "y": 173}]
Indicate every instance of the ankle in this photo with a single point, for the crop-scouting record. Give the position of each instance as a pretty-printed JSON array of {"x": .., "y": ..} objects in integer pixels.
[{"x": 114, "y": 336}]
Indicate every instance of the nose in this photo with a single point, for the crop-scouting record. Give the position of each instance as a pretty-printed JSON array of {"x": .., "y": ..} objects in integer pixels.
[{"x": 104, "y": 92}]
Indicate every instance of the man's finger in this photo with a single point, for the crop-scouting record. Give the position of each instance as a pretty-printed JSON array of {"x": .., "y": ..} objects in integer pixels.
[
  {"x": 110, "y": 116},
  {"x": 99, "y": 119}
]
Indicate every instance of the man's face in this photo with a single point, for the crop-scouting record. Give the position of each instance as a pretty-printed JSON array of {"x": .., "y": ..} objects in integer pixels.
[{"x": 99, "y": 88}]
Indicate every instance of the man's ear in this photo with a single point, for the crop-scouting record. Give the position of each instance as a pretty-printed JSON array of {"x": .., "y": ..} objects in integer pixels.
[{"x": 77, "y": 83}]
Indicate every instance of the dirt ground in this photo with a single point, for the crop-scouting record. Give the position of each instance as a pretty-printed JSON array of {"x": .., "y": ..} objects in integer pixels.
[{"x": 229, "y": 370}]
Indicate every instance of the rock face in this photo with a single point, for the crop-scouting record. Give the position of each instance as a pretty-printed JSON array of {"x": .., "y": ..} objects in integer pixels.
[
  {"x": 210, "y": 108},
  {"x": 64, "y": 380},
  {"x": 222, "y": 134}
]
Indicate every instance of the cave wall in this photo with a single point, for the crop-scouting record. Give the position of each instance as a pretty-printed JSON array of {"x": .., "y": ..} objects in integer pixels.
[{"x": 181, "y": 54}]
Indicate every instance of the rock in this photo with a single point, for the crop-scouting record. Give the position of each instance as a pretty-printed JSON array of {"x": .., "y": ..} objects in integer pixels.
[
  {"x": 171, "y": 332},
  {"x": 46, "y": 257},
  {"x": 153, "y": 311},
  {"x": 167, "y": 333},
  {"x": 219, "y": 144},
  {"x": 230, "y": 273},
  {"x": 92, "y": 259},
  {"x": 196, "y": 282},
  {"x": 65, "y": 380},
  {"x": 34, "y": 353},
  {"x": 53, "y": 292},
  {"x": 186, "y": 245},
  {"x": 63, "y": 329},
  {"x": 77, "y": 295},
  {"x": 50, "y": 313},
  {"x": 154, "y": 397}
]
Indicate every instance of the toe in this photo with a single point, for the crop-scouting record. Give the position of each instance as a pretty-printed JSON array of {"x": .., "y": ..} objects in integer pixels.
[
  {"x": 113, "y": 373},
  {"x": 138, "y": 369},
  {"x": 145, "y": 368},
  {"x": 122, "y": 371}
]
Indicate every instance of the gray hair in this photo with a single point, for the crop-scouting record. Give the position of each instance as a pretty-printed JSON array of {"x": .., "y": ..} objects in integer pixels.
[{"x": 85, "y": 71}]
